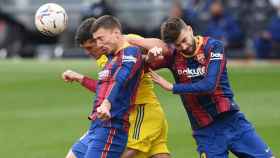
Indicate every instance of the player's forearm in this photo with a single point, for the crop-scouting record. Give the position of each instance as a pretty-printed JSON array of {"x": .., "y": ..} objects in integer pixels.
[
  {"x": 211, "y": 79},
  {"x": 89, "y": 83},
  {"x": 124, "y": 74},
  {"x": 149, "y": 43},
  {"x": 204, "y": 86},
  {"x": 117, "y": 83}
]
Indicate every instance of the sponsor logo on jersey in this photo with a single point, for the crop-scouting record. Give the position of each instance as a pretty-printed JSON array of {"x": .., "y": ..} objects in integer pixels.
[
  {"x": 129, "y": 58},
  {"x": 200, "y": 71},
  {"x": 216, "y": 56}
]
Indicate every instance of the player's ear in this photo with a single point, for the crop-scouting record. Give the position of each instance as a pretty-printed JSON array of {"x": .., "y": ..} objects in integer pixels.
[
  {"x": 189, "y": 28},
  {"x": 117, "y": 33}
]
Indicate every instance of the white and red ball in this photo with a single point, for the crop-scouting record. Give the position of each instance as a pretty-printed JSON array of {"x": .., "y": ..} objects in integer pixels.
[{"x": 51, "y": 19}]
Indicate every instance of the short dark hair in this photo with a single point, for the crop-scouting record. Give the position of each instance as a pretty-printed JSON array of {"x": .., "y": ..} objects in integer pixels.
[
  {"x": 83, "y": 32},
  {"x": 106, "y": 22},
  {"x": 171, "y": 29}
]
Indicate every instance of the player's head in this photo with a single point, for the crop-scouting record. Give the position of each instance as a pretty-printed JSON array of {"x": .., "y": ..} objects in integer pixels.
[
  {"x": 177, "y": 32},
  {"x": 84, "y": 38},
  {"x": 107, "y": 31}
]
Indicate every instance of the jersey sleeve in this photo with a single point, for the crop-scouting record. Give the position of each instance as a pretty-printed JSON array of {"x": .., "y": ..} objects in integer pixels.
[
  {"x": 211, "y": 79},
  {"x": 130, "y": 64},
  {"x": 89, "y": 83}
]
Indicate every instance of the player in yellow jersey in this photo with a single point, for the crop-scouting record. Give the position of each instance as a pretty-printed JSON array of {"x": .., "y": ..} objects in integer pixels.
[{"x": 148, "y": 126}]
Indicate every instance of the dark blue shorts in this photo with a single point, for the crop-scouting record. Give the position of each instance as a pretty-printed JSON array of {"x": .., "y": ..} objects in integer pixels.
[
  {"x": 101, "y": 142},
  {"x": 232, "y": 133}
]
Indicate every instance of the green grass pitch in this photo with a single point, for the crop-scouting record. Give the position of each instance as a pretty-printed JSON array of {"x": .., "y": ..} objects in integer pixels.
[{"x": 41, "y": 116}]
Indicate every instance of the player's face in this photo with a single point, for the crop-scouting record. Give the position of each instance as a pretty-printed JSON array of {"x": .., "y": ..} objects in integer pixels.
[
  {"x": 106, "y": 39},
  {"x": 185, "y": 42},
  {"x": 91, "y": 49}
]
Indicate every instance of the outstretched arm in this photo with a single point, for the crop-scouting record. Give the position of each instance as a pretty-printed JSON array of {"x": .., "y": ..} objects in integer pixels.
[
  {"x": 159, "y": 53},
  {"x": 70, "y": 76},
  {"x": 149, "y": 43}
]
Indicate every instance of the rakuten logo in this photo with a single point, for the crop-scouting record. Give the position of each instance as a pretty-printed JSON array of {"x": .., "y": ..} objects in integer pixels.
[{"x": 200, "y": 71}]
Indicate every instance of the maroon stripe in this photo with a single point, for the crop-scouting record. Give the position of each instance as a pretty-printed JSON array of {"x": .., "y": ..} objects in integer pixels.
[
  {"x": 201, "y": 116},
  {"x": 112, "y": 80},
  {"x": 108, "y": 143},
  {"x": 222, "y": 103}
]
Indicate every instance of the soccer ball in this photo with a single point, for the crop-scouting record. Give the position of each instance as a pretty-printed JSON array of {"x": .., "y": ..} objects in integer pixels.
[{"x": 51, "y": 19}]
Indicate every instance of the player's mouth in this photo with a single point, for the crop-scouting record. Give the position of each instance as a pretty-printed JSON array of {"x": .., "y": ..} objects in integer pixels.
[{"x": 104, "y": 49}]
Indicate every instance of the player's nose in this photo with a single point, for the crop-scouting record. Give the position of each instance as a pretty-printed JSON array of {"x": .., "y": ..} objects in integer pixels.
[
  {"x": 183, "y": 46},
  {"x": 99, "y": 44}
]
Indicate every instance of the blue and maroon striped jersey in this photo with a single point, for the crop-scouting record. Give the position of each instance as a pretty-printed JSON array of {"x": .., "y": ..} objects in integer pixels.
[
  {"x": 118, "y": 82},
  {"x": 201, "y": 81}
]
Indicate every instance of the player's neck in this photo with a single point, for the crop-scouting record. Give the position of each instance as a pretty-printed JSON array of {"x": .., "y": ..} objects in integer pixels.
[{"x": 121, "y": 44}]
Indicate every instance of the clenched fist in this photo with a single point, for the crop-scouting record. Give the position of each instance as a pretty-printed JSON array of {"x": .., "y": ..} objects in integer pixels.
[
  {"x": 155, "y": 53},
  {"x": 70, "y": 76},
  {"x": 103, "y": 111}
]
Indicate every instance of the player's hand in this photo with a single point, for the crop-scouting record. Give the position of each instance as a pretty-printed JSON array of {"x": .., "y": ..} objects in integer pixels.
[
  {"x": 70, "y": 76},
  {"x": 155, "y": 53},
  {"x": 103, "y": 111},
  {"x": 161, "y": 81}
]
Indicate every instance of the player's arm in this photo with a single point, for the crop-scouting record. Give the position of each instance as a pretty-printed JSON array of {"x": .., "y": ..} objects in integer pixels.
[
  {"x": 89, "y": 83},
  {"x": 159, "y": 53},
  {"x": 70, "y": 76},
  {"x": 148, "y": 43},
  {"x": 131, "y": 62},
  {"x": 208, "y": 84},
  {"x": 215, "y": 68}
]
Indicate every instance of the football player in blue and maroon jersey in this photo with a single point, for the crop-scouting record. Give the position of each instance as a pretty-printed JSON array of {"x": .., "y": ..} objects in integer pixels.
[
  {"x": 115, "y": 91},
  {"x": 198, "y": 65}
]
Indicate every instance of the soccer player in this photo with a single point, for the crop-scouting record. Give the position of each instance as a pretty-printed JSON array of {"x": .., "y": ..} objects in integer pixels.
[
  {"x": 198, "y": 65},
  {"x": 115, "y": 91},
  {"x": 148, "y": 130}
]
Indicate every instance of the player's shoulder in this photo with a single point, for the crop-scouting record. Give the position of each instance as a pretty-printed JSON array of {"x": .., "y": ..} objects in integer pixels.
[
  {"x": 212, "y": 43},
  {"x": 132, "y": 50}
]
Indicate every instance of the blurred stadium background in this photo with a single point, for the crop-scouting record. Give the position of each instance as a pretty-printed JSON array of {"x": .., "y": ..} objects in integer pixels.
[{"x": 41, "y": 116}]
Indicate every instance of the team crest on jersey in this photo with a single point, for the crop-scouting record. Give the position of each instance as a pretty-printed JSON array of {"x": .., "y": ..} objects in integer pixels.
[
  {"x": 200, "y": 58},
  {"x": 203, "y": 155}
]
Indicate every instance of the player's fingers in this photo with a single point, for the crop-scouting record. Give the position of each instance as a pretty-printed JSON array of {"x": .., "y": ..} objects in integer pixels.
[
  {"x": 103, "y": 116},
  {"x": 106, "y": 116},
  {"x": 100, "y": 115},
  {"x": 154, "y": 78},
  {"x": 154, "y": 74},
  {"x": 65, "y": 78},
  {"x": 151, "y": 71}
]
